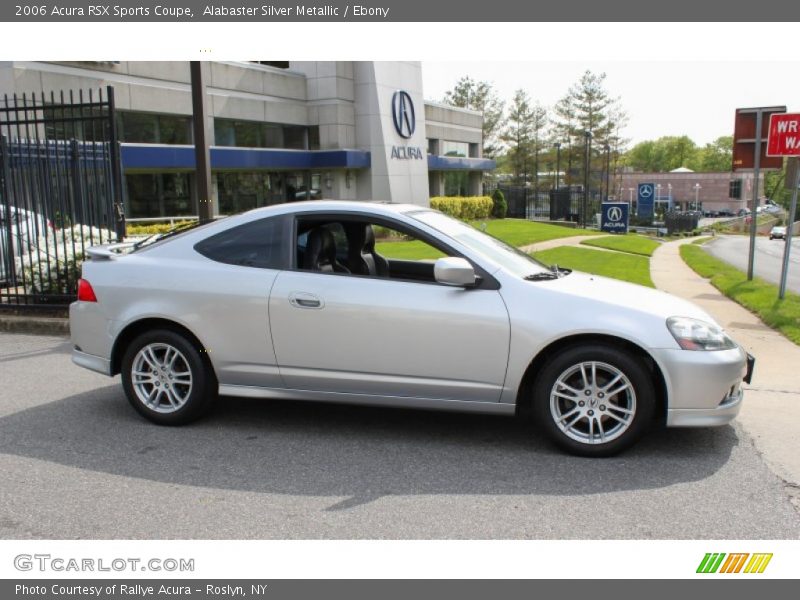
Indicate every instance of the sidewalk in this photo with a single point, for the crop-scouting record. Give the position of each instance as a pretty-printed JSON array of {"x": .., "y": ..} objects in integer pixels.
[
  {"x": 558, "y": 242},
  {"x": 771, "y": 410}
]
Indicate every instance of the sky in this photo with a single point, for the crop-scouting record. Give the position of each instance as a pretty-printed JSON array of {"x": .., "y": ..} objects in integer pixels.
[{"x": 694, "y": 98}]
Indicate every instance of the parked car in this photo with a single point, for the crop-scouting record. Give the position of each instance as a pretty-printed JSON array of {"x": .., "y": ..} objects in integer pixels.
[
  {"x": 743, "y": 212},
  {"x": 778, "y": 233},
  {"x": 26, "y": 227},
  {"x": 725, "y": 212},
  {"x": 297, "y": 301}
]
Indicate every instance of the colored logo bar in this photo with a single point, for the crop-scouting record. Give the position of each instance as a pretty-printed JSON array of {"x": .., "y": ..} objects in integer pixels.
[{"x": 737, "y": 562}]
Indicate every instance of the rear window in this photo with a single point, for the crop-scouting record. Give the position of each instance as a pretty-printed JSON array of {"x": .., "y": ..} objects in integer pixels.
[{"x": 257, "y": 244}]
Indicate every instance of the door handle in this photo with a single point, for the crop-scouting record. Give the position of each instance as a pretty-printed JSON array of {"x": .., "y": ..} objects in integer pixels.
[{"x": 305, "y": 300}]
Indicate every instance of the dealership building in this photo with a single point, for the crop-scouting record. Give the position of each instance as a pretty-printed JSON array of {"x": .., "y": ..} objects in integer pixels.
[
  {"x": 684, "y": 189},
  {"x": 279, "y": 131}
]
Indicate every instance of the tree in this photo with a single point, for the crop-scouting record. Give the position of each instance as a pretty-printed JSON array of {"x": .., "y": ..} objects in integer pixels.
[
  {"x": 588, "y": 106},
  {"x": 716, "y": 156},
  {"x": 479, "y": 96},
  {"x": 670, "y": 152},
  {"x": 539, "y": 140},
  {"x": 518, "y": 135},
  {"x": 664, "y": 154}
]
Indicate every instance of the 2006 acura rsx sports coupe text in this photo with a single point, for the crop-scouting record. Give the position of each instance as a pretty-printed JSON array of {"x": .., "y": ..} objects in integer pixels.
[{"x": 298, "y": 301}]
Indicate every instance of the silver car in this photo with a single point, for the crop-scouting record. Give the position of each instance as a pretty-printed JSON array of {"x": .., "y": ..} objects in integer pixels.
[{"x": 299, "y": 301}]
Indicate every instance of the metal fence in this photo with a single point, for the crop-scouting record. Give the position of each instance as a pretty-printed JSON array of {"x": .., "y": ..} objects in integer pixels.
[
  {"x": 60, "y": 192},
  {"x": 565, "y": 204}
]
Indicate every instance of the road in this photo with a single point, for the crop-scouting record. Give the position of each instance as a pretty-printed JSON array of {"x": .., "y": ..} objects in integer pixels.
[
  {"x": 733, "y": 249},
  {"x": 78, "y": 462}
]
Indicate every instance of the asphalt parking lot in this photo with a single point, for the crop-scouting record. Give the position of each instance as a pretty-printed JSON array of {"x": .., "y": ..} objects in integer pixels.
[{"x": 78, "y": 462}]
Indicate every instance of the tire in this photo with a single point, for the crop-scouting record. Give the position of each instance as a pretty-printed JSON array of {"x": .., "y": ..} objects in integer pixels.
[
  {"x": 622, "y": 416},
  {"x": 167, "y": 368}
]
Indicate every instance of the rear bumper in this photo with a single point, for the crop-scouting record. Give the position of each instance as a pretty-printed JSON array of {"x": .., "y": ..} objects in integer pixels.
[{"x": 91, "y": 362}]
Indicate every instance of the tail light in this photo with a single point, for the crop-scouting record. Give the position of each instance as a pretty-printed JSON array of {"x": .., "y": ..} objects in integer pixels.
[{"x": 85, "y": 291}]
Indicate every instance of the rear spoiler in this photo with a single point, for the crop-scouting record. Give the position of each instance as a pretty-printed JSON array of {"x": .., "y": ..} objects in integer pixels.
[{"x": 108, "y": 251}]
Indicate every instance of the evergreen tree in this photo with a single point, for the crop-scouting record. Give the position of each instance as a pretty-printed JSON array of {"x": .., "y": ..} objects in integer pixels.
[
  {"x": 479, "y": 96},
  {"x": 518, "y": 136},
  {"x": 588, "y": 107}
]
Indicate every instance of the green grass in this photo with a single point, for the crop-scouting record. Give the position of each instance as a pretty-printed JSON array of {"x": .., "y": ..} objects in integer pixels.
[
  {"x": 413, "y": 250},
  {"x": 617, "y": 265},
  {"x": 634, "y": 244},
  {"x": 757, "y": 296},
  {"x": 701, "y": 241},
  {"x": 519, "y": 232},
  {"x": 516, "y": 232}
]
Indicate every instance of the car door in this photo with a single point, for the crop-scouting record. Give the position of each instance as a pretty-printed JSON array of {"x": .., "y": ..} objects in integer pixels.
[{"x": 353, "y": 334}]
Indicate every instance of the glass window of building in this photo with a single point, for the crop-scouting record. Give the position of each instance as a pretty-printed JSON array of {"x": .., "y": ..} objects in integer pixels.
[
  {"x": 278, "y": 64},
  {"x": 252, "y": 134},
  {"x": 456, "y": 183},
  {"x": 735, "y": 189},
  {"x": 313, "y": 137},
  {"x": 294, "y": 138},
  {"x": 158, "y": 195},
  {"x": 153, "y": 128},
  {"x": 174, "y": 129},
  {"x": 273, "y": 135},
  {"x": 247, "y": 134},
  {"x": 455, "y": 148},
  {"x": 241, "y": 191}
]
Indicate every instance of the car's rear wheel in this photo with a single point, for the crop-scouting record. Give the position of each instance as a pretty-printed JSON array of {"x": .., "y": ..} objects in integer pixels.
[
  {"x": 166, "y": 379},
  {"x": 594, "y": 400}
]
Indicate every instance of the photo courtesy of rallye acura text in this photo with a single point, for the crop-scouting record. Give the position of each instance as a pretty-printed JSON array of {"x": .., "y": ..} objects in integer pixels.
[{"x": 298, "y": 301}]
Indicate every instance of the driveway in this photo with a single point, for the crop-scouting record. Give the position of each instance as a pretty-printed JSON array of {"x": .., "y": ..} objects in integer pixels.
[
  {"x": 733, "y": 249},
  {"x": 78, "y": 462}
]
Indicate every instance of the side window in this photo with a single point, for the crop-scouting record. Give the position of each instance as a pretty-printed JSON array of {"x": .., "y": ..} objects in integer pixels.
[
  {"x": 364, "y": 248},
  {"x": 257, "y": 244}
]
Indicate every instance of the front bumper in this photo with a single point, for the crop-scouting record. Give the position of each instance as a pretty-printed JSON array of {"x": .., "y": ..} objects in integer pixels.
[
  {"x": 704, "y": 388},
  {"x": 706, "y": 417}
]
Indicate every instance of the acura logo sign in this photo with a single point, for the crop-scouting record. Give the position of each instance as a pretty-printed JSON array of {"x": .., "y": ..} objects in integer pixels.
[
  {"x": 615, "y": 213},
  {"x": 405, "y": 120}
]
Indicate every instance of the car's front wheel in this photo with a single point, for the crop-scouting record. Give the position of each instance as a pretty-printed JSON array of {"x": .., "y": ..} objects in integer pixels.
[
  {"x": 166, "y": 379},
  {"x": 594, "y": 400}
]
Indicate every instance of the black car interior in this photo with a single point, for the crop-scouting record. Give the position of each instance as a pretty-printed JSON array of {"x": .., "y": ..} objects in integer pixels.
[{"x": 349, "y": 247}]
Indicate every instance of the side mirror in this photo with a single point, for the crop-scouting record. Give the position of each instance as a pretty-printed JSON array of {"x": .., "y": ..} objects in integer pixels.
[{"x": 454, "y": 271}]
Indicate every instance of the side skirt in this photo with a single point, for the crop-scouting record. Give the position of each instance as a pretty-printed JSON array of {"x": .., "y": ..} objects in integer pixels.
[{"x": 243, "y": 391}]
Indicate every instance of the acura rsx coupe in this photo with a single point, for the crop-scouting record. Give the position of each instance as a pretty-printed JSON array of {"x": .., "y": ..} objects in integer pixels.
[{"x": 396, "y": 305}]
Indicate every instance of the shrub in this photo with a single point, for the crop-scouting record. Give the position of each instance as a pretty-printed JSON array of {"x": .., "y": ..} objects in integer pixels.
[
  {"x": 57, "y": 254},
  {"x": 150, "y": 229},
  {"x": 499, "y": 205},
  {"x": 467, "y": 208}
]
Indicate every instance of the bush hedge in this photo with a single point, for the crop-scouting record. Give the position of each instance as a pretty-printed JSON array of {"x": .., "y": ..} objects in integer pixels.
[
  {"x": 500, "y": 206},
  {"x": 466, "y": 208},
  {"x": 150, "y": 229}
]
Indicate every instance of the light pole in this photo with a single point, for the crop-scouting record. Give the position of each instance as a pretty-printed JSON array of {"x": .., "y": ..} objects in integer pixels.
[
  {"x": 697, "y": 188},
  {"x": 607, "y": 150},
  {"x": 658, "y": 197},
  {"x": 557, "y": 146},
  {"x": 587, "y": 165},
  {"x": 630, "y": 197},
  {"x": 669, "y": 195}
]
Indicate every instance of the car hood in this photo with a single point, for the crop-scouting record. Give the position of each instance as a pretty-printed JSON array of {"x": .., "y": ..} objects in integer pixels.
[{"x": 619, "y": 294}]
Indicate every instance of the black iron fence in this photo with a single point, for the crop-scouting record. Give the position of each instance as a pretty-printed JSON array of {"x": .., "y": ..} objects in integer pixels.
[
  {"x": 60, "y": 192},
  {"x": 565, "y": 204}
]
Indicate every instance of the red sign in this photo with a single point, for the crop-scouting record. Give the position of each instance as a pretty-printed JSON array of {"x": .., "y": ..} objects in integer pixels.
[
  {"x": 784, "y": 135},
  {"x": 744, "y": 139}
]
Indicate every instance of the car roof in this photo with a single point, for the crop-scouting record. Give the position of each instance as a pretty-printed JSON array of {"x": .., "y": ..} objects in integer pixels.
[{"x": 365, "y": 206}]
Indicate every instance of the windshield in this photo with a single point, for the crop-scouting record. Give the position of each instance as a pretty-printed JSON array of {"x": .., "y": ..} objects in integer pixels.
[{"x": 510, "y": 258}]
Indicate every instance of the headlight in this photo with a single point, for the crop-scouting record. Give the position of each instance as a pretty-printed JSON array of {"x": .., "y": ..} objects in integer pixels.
[{"x": 693, "y": 334}]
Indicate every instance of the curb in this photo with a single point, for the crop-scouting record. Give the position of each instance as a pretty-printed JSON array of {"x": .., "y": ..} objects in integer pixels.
[{"x": 37, "y": 325}]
